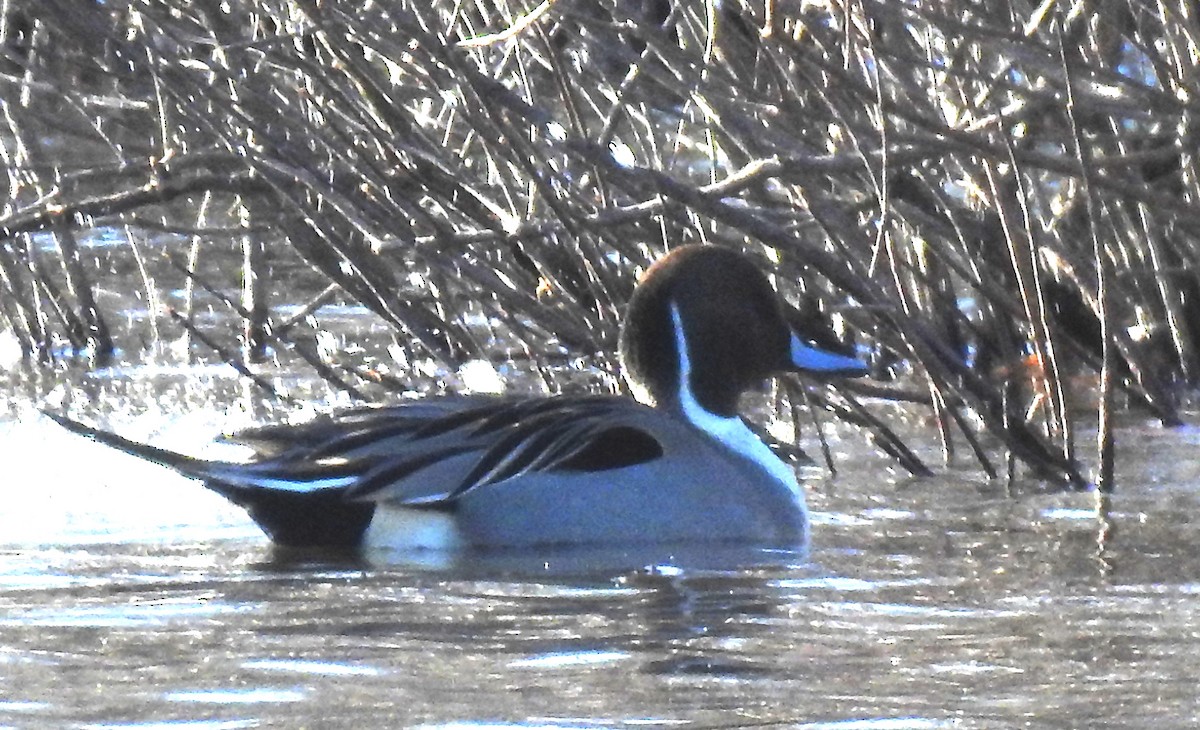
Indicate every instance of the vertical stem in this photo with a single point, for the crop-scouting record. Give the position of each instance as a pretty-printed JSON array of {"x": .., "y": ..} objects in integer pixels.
[
  {"x": 1105, "y": 439},
  {"x": 25, "y": 316},
  {"x": 1104, "y": 533},
  {"x": 193, "y": 260},
  {"x": 98, "y": 338},
  {"x": 943, "y": 427},
  {"x": 1022, "y": 247},
  {"x": 1106, "y": 442},
  {"x": 152, "y": 300},
  {"x": 36, "y": 304},
  {"x": 254, "y": 298}
]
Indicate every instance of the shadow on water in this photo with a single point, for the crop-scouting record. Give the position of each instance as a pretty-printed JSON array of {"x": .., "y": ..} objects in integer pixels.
[
  {"x": 565, "y": 564},
  {"x": 674, "y": 596}
]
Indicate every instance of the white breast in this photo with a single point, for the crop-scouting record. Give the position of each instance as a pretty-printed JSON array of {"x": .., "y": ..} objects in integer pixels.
[{"x": 730, "y": 431}]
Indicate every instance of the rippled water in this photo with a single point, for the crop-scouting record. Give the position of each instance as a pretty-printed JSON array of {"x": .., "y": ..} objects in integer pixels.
[{"x": 131, "y": 598}]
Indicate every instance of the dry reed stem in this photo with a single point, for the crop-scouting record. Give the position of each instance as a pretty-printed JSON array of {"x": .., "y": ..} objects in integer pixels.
[{"x": 930, "y": 171}]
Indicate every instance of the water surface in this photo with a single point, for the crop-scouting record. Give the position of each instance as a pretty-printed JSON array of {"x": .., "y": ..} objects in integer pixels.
[{"x": 132, "y": 598}]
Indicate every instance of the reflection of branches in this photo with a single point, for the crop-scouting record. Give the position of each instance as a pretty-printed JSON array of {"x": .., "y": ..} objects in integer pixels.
[{"x": 912, "y": 166}]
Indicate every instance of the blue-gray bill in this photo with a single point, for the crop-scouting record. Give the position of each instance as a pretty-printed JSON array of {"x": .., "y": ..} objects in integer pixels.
[{"x": 809, "y": 359}]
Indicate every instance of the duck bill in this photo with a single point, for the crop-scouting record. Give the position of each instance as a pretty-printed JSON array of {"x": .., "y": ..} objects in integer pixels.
[{"x": 809, "y": 359}]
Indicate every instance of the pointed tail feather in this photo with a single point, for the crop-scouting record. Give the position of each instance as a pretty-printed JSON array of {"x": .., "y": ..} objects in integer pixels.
[
  {"x": 224, "y": 477},
  {"x": 306, "y": 510},
  {"x": 185, "y": 465}
]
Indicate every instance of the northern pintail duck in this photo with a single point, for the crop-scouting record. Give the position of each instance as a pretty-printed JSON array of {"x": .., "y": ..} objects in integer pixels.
[{"x": 702, "y": 327}]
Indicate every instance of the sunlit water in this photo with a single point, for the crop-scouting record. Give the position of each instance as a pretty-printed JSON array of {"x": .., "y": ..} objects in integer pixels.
[{"x": 132, "y": 598}]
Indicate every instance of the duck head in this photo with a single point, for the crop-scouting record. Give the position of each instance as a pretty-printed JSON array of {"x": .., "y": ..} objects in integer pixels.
[{"x": 704, "y": 326}]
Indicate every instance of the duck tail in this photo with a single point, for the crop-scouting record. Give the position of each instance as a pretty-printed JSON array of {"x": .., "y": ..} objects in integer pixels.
[
  {"x": 292, "y": 512},
  {"x": 185, "y": 465}
]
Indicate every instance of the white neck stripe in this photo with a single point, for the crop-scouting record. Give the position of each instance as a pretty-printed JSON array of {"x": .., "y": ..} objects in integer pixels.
[{"x": 730, "y": 431}]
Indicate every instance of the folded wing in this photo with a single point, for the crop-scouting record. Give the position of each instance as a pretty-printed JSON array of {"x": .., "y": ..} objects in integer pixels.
[{"x": 427, "y": 453}]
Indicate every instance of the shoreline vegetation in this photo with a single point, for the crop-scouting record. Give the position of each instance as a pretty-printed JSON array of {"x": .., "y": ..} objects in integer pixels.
[{"x": 997, "y": 204}]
